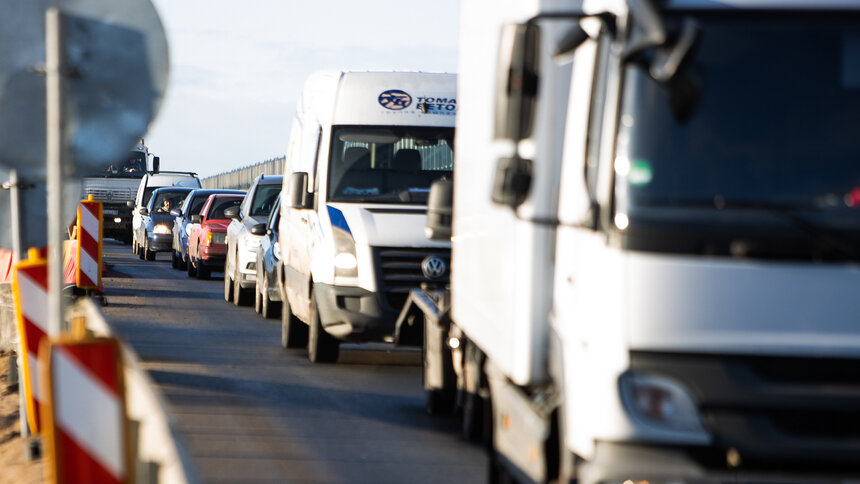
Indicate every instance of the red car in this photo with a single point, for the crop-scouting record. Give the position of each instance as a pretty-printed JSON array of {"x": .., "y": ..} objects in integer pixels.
[{"x": 207, "y": 235}]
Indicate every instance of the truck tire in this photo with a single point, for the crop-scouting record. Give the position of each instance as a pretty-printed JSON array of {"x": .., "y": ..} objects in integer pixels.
[
  {"x": 294, "y": 333},
  {"x": 322, "y": 348}
]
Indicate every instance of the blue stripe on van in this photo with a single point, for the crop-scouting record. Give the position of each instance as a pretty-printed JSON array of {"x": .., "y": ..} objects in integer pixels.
[{"x": 337, "y": 219}]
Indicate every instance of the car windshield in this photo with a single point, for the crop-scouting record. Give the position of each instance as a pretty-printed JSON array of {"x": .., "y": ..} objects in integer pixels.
[
  {"x": 165, "y": 200},
  {"x": 132, "y": 167},
  {"x": 773, "y": 127},
  {"x": 264, "y": 199},
  {"x": 219, "y": 204},
  {"x": 388, "y": 164}
]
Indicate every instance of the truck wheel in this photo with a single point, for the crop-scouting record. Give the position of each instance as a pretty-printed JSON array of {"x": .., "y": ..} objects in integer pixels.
[
  {"x": 322, "y": 348},
  {"x": 228, "y": 284},
  {"x": 294, "y": 333},
  {"x": 190, "y": 269}
]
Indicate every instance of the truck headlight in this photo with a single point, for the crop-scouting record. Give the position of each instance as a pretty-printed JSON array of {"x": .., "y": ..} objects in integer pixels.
[
  {"x": 661, "y": 402},
  {"x": 345, "y": 262},
  {"x": 161, "y": 229}
]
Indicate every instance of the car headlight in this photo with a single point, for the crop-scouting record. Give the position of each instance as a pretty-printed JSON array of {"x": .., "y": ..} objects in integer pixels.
[
  {"x": 252, "y": 242},
  {"x": 345, "y": 262},
  {"x": 276, "y": 250},
  {"x": 161, "y": 229},
  {"x": 661, "y": 402}
]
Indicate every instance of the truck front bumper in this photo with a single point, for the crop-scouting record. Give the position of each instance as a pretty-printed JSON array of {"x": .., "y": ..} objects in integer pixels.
[{"x": 353, "y": 313}]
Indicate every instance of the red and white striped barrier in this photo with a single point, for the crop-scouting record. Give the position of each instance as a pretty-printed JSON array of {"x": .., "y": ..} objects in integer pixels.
[
  {"x": 30, "y": 287},
  {"x": 85, "y": 411},
  {"x": 89, "y": 233}
]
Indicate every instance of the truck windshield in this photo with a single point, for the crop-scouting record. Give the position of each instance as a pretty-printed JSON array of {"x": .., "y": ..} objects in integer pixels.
[
  {"x": 132, "y": 167},
  {"x": 771, "y": 153},
  {"x": 388, "y": 164}
]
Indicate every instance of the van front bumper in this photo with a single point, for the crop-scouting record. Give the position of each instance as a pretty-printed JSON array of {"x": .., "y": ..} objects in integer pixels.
[{"x": 353, "y": 313}]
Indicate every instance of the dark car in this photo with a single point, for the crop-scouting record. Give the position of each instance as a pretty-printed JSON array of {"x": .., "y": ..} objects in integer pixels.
[
  {"x": 157, "y": 233},
  {"x": 267, "y": 301},
  {"x": 207, "y": 235},
  {"x": 191, "y": 206}
]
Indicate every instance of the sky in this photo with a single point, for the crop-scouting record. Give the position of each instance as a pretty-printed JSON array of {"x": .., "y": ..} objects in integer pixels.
[{"x": 237, "y": 67}]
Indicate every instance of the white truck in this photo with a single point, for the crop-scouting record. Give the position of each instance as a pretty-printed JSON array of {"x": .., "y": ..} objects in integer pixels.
[
  {"x": 364, "y": 148},
  {"x": 655, "y": 241},
  {"x": 116, "y": 185}
]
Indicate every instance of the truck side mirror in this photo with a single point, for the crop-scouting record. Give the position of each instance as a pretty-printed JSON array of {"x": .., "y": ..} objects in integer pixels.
[
  {"x": 512, "y": 182},
  {"x": 232, "y": 212},
  {"x": 517, "y": 81},
  {"x": 299, "y": 196},
  {"x": 440, "y": 208},
  {"x": 156, "y": 163}
]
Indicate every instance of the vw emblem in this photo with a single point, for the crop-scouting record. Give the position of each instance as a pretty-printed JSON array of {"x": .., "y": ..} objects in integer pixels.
[
  {"x": 395, "y": 99},
  {"x": 433, "y": 267}
]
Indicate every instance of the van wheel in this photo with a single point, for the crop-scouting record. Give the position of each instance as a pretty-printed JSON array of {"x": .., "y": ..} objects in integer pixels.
[
  {"x": 322, "y": 348},
  {"x": 294, "y": 333},
  {"x": 228, "y": 284}
]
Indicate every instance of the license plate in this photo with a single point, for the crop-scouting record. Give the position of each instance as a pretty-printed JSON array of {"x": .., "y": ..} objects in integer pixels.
[
  {"x": 219, "y": 238},
  {"x": 110, "y": 212}
]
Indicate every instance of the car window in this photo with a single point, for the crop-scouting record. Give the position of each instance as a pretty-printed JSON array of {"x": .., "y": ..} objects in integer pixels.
[
  {"x": 264, "y": 200},
  {"x": 216, "y": 209}
]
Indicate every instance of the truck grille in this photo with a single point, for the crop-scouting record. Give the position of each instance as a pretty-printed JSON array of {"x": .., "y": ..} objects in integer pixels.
[
  {"x": 778, "y": 412},
  {"x": 400, "y": 271},
  {"x": 109, "y": 195}
]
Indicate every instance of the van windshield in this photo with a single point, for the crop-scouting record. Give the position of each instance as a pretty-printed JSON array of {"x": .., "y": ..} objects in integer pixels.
[
  {"x": 388, "y": 164},
  {"x": 771, "y": 151}
]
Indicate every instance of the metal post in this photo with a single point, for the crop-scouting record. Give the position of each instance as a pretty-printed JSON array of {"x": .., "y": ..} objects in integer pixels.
[
  {"x": 54, "y": 151},
  {"x": 15, "y": 205}
]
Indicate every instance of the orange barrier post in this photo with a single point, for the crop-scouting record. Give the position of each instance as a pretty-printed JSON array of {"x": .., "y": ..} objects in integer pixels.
[{"x": 89, "y": 233}]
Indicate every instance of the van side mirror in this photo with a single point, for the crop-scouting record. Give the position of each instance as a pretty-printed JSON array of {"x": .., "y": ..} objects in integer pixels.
[
  {"x": 440, "y": 208},
  {"x": 156, "y": 163},
  {"x": 196, "y": 218},
  {"x": 512, "y": 182},
  {"x": 517, "y": 81},
  {"x": 299, "y": 196},
  {"x": 232, "y": 212},
  {"x": 259, "y": 229}
]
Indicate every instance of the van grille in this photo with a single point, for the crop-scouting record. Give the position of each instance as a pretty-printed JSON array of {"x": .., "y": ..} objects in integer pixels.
[{"x": 401, "y": 271}]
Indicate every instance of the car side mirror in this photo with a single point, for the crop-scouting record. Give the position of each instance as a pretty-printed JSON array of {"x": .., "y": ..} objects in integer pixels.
[
  {"x": 143, "y": 211},
  {"x": 175, "y": 212},
  {"x": 299, "y": 196},
  {"x": 129, "y": 204},
  {"x": 440, "y": 207},
  {"x": 232, "y": 213},
  {"x": 196, "y": 219},
  {"x": 259, "y": 229}
]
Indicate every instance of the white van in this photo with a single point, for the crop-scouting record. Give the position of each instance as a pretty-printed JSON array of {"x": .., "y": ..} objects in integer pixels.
[
  {"x": 148, "y": 184},
  {"x": 364, "y": 148}
]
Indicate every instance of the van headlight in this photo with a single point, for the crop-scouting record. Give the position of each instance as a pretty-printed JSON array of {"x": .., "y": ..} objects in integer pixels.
[
  {"x": 161, "y": 229},
  {"x": 345, "y": 262},
  {"x": 661, "y": 402}
]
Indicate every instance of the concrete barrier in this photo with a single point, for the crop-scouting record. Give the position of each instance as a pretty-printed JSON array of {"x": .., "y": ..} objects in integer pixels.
[
  {"x": 161, "y": 454},
  {"x": 8, "y": 327}
]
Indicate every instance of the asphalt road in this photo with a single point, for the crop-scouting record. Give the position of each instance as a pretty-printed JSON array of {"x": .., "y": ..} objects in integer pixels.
[{"x": 250, "y": 411}]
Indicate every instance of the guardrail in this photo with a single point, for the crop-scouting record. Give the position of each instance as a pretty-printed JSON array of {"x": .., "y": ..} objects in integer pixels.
[
  {"x": 241, "y": 178},
  {"x": 161, "y": 456}
]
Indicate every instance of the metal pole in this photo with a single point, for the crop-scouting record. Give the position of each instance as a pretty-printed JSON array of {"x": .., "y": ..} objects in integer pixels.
[
  {"x": 54, "y": 150},
  {"x": 17, "y": 251}
]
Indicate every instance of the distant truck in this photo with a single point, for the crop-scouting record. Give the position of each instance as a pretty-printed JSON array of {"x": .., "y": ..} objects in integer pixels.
[
  {"x": 364, "y": 149},
  {"x": 115, "y": 185}
]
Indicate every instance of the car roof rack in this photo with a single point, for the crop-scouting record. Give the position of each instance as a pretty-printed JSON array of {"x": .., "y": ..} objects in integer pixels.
[{"x": 172, "y": 172}]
